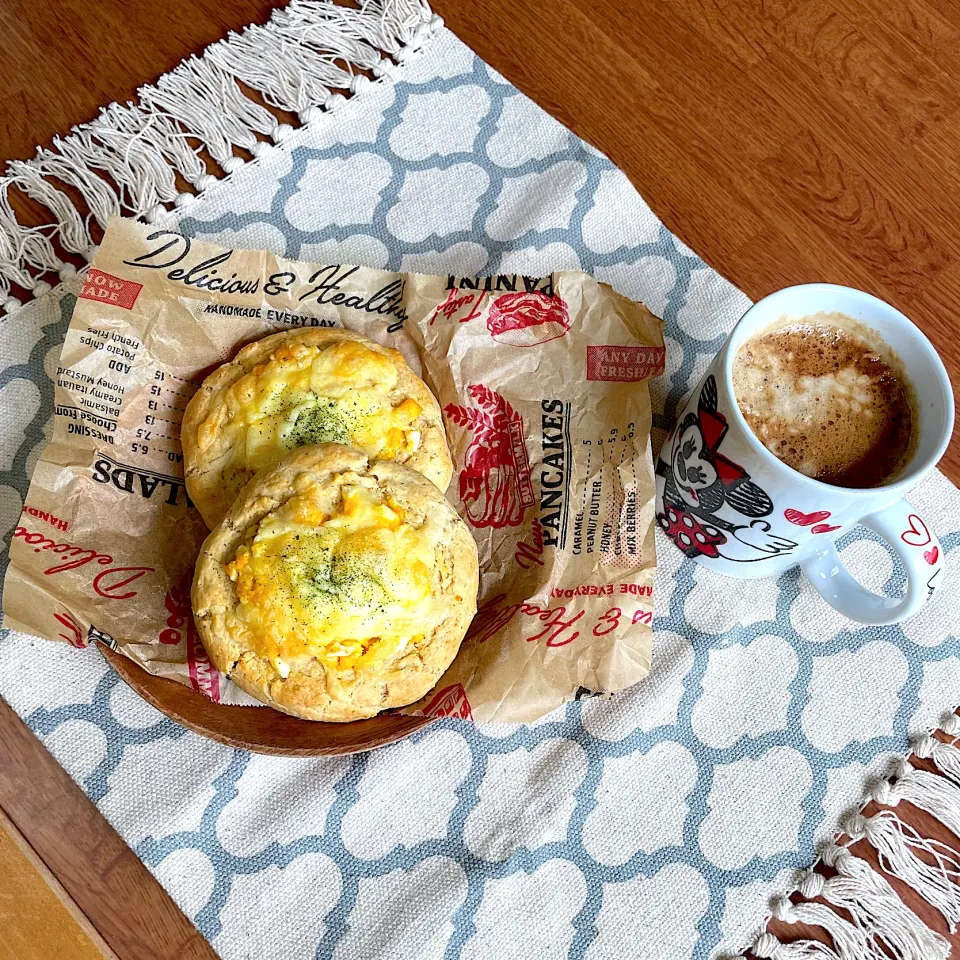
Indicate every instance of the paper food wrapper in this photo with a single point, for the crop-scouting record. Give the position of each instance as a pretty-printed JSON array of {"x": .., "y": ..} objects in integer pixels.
[{"x": 542, "y": 381}]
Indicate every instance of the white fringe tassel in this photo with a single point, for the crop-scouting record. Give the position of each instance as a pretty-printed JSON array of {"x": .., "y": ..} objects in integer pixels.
[
  {"x": 945, "y": 756},
  {"x": 307, "y": 59},
  {"x": 928, "y": 791},
  {"x": 897, "y": 844},
  {"x": 850, "y": 942},
  {"x": 880, "y": 925}
]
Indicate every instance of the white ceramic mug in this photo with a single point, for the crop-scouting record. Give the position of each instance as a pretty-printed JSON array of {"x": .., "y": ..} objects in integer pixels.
[{"x": 728, "y": 502}]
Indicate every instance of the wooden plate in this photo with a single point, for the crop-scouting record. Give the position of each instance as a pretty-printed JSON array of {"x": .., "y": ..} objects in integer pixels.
[{"x": 261, "y": 729}]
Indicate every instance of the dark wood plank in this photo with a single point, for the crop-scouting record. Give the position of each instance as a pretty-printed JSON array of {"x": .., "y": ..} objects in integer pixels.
[
  {"x": 63, "y": 61},
  {"x": 784, "y": 140},
  {"x": 100, "y": 873}
]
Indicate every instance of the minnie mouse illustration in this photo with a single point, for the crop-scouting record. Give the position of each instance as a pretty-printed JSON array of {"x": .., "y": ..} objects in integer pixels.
[{"x": 711, "y": 507}]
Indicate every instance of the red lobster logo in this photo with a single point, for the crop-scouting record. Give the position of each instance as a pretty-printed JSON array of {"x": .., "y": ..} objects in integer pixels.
[
  {"x": 450, "y": 702},
  {"x": 527, "y": 319},
  {"x": 495, "y": 482}
]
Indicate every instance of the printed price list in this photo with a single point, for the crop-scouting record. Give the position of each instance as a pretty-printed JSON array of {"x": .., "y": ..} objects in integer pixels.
[
  {"x": 157, "y": 431},
  {"x": 606, "y": 520},
  {"x": 113, "y": 405}
]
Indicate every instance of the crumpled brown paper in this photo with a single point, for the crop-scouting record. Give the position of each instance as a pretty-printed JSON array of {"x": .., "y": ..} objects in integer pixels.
[{"x": 543, "y": 385}]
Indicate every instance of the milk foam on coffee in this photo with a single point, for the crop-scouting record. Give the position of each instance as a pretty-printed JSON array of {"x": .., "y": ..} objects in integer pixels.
[{"x": 826, "y": 397}]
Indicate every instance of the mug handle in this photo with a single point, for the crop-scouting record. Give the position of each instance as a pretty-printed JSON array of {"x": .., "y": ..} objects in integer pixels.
[{"x": 913, "y": 542}]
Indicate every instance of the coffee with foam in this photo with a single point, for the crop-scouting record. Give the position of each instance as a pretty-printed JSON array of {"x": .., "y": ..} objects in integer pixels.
[{"x": 828, "y": 398}]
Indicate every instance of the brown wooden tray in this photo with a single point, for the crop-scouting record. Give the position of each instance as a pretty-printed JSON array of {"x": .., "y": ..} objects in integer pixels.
[{"x": 261, "y": 729}]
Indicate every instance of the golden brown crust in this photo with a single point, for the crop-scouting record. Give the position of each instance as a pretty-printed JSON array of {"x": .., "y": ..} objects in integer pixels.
[
  {"x": 205, "y": 460},
  {"x": 312, "y": 690}
]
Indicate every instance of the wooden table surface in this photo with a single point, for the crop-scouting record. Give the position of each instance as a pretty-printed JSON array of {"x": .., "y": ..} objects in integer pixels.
[{"x": 783, "y": 140}]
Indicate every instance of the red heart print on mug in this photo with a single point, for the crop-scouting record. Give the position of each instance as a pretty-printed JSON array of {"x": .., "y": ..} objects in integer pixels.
[
  {"x": 806, "y": 519},
  {"x": 931, "y": 556},
  {"x": 917, "y": 535},
  {"x": 823, "y": 528}
]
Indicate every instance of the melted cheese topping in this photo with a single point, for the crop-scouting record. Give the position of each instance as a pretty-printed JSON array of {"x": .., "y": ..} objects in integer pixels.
[
  {"x": 304, "y": 395},
  {"x": 349, "y": 584}
]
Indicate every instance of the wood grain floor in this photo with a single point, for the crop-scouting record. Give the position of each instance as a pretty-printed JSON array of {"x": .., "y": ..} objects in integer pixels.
[
  {"x": 39, "y": 918},
  {"x": 96, "y": 869},
  {"x": 783, "y": 140}
]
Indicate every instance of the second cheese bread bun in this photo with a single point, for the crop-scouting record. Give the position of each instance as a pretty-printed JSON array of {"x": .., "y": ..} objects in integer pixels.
[
  {"x": 336, "y": 586},
  {"x": 301, "y": 387}
]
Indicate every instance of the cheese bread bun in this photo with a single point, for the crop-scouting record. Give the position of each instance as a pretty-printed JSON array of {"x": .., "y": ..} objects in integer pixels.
[
  {"x": 336, "y": 586},
  {"x": 303, "y": 387}
]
